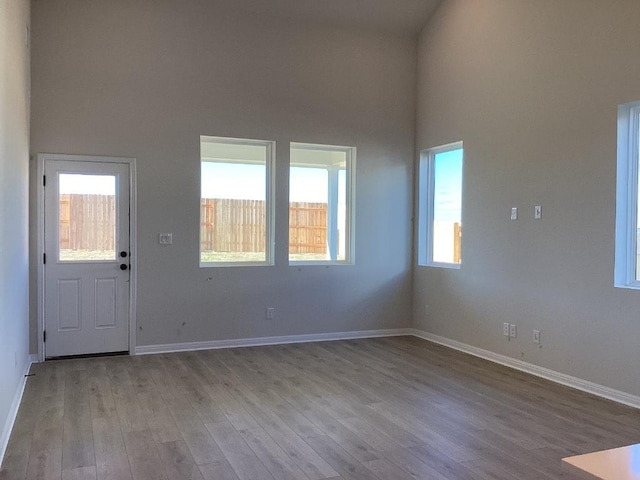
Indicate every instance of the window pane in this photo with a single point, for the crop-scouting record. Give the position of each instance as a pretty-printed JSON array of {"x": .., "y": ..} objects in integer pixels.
[
  {"x": 447, "y": 207},
  {"x": 637, "y": 225},
  {"x": 87, "y": 217},
  {"x": 234, "y": 220},
  {"x": 318, "y": 207}
]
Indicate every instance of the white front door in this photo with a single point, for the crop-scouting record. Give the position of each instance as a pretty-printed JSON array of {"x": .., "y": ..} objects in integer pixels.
[{"x": 86, "y": 264}]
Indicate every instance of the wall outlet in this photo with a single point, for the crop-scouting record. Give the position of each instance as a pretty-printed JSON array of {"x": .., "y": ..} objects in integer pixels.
[
  {"x": 165, "y": 239},
  {"x": 536, "y": 337},
  {"x": 514, "y": 213},
  {"x": 271, "y": 313},
  {"x": 505, "y": 329},
  {"x": 512, "y": 331}
]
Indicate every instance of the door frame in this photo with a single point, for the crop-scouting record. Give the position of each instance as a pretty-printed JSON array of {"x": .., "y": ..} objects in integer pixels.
[{"x": 133, "y": 258}]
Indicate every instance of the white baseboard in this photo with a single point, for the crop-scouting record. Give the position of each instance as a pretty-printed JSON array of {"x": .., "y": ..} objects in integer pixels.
[
  {"x": 13, "y": 411},
  {"x": 259, "y": 341},
  {"x": 552, "y": 375}
]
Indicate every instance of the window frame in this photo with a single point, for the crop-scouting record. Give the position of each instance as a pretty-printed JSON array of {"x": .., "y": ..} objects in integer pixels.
[
  {"x": 270, "y": 150},
  {"x": 426, "y": 203},
  {"x": 350, "y": 199},
  {"x": 628, "y": 157}
]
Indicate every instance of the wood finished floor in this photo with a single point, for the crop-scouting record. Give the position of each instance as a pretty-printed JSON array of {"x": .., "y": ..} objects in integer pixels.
[{"x": 389, "y": 408}]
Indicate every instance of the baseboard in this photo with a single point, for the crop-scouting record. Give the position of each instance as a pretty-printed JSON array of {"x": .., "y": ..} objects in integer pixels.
[
  {"x": 260, "y": 341},
  {"x": 13, "y": 411},
  {"x": 557, "y": 377}
]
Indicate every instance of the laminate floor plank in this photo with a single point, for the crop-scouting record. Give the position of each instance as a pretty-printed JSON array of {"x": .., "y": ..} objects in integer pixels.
[
  {"x": 114, "y": 467},
  {"x": 130, "y": 413},
  {"x": 234, "y": 412},
  {"x": 144, "y": 458},
  {"x": 346, "y": 465},
  {"x": 411, "y": 464},
  {"x": 108, "y": 441},
  {"x": 77, "y": 438},
  {"x": 239, "y": 455},
  {"x": 161, "y": 422},
  {"x": 16, "y": 458},
  {"x": 82, "y": 473},
  {"x": 101, "y": 399},
  {"x": 178, "y": 461},
  {"x": 218, "y": 471},
  {"x": 272, "y": 456},
  {"x": 349, "y": 441},
  {"x": 376, "y": 409},
  {"x": 309, "y": 461},
  {"x": 45, "y": 465}
]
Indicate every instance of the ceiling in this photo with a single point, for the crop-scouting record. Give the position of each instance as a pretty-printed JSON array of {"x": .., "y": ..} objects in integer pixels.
[{"x": 395, "y": 16}]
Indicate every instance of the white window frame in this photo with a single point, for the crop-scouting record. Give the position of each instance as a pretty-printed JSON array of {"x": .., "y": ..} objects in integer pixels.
[
  {"x": 627, "y": 196},
  {"x": 269, "y": 199},
  {"x": 350, "y": 198},
  {"x": 426, "y": 191}
]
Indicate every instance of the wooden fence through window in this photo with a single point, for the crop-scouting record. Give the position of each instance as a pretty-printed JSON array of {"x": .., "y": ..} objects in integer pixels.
[
  {"x": 87, "y": 222},
  {"x": 228, "y": 225}
]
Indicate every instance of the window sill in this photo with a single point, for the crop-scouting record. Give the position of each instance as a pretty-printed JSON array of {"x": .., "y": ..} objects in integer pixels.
[
  {"x": 449, "y": 266},
  {"x": 235, "y": 264}
]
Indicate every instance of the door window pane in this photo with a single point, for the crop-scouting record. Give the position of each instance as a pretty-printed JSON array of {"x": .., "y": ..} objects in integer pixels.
[{"x": 87, "y": 217}]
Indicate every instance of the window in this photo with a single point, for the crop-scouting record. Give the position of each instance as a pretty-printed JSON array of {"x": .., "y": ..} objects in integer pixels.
[
  {"x": 236, "y": 219},
  {"x": 440, "y": 206},
  {"x": 87, "y": 217},
  {"x": 321, "y": 189},
  {"x": 627, "y": 255}
]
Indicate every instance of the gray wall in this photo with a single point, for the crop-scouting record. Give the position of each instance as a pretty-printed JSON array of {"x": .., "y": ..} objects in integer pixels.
[
  {"x": 145, "y": 78},
  {"x": 532, "y": 88},
  {"x": 14, "y": 168}
]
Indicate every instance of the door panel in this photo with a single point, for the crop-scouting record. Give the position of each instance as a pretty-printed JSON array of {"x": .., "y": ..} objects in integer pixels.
[
  {"x": 106, "y": 303},
  {"x": 86, "y": 226},
  {"x": 69, "y": 304}
]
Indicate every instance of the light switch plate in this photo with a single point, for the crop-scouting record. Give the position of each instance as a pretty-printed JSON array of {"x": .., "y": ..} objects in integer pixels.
[
  {"x": 537, "y": 212},
  {"x": 165, "y": 238}
]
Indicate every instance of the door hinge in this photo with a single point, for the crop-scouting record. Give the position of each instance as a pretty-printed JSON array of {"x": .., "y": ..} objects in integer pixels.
[
  {"x": 44, "y": 336},
  {"x": 44, "y": 180},
  {"x": 44, "y": 258}
]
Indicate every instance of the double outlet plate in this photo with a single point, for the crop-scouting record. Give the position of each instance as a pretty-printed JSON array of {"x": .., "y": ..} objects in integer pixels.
[{"x": 510, "y": 330}]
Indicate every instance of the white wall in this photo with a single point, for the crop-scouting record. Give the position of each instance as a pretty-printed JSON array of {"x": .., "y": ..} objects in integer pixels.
[
  {"x": 532, "y": 88},
  {"x": 14, "y": 168},
  {"x": 144, "y": 79}
]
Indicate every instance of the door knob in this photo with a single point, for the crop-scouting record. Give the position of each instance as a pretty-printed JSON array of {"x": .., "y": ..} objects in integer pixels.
[
  {"x": 123, "y": 266},
  {"x": 123, "y": 254}
]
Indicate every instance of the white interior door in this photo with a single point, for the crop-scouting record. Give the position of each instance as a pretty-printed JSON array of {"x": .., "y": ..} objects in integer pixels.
[{"x": 86, "y": 265}]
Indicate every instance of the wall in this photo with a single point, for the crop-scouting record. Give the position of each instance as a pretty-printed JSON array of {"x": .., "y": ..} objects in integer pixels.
[
  {"x": 532, "y": 89},
  {"x": 14, "y": 168},
  {"x": 145, "y": 78}
]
